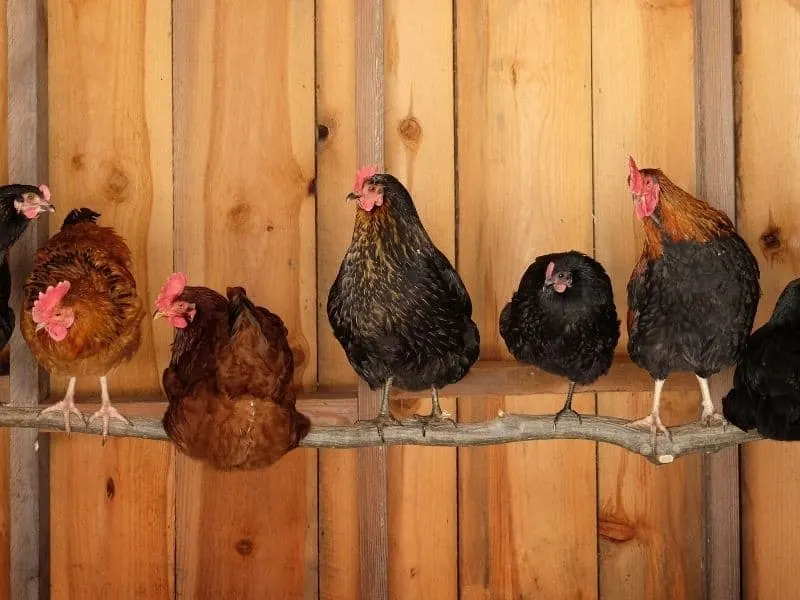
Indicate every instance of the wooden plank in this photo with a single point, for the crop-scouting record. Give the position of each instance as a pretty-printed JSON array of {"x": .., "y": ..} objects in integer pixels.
[
  {"x": 650, "y": 537},
  {"x": 422, "y": 495},
  {"x": 527, "y": 513},
  {"x": 767, "y": 36},
  {"x": 339, "y": 548},
  {"x": 26, "y": 161},
  {"x": 110, "y": 141},
  {"x": 244, "y": 180},
  {"x": 716, "y": 183}
]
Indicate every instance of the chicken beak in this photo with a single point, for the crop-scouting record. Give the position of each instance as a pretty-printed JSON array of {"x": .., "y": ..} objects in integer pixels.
[
  {"x": 548, "y": 281},
  {"x": 157, "y": 315},
  {"x": 352, "y": 196},
  {"x": 47, "y": 207},
  {"x": 39, "y": 327}
]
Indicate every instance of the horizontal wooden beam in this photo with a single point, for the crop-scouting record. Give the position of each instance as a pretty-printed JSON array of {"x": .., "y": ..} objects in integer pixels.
[{"x": 504, "y": 428}]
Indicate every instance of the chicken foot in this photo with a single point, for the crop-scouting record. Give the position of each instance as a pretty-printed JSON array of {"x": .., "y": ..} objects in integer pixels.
[
  {"x": 437, "y": 416},
  {"x": 385, "y": 417},
  {"x": 107, "y": 412},
  {"x": 709, "y": 415},
  {"x": 652, "y": 422},
  {"x": 567, "y": 407},
  {"x": 67, "y": 407}
]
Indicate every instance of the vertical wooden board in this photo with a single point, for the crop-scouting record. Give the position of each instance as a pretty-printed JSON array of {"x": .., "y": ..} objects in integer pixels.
[
  {"x": 339, "y": 564},
  {"x": 769, "y": 151},
  {"x": 244, "y": 165},
  {"x": 644, "y": 106},
  {"x": 110, "y": 130},
  {"x": 420, "y": 149},
  {"x": 526, "y": 512}
]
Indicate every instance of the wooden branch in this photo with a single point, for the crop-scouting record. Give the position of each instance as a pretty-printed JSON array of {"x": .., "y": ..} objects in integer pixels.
[{"x": 503, "y": 429}]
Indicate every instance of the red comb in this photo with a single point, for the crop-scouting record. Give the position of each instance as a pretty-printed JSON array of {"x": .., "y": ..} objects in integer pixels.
[
  {"x": 45, "y": 192},
  {"x": 362, "y": 175},
  {"x": 550, "y": 268},
  {"x": 635, "y": 174},
  {"x": 173, "y": 288},
  {"x": 43, "y": 307}
]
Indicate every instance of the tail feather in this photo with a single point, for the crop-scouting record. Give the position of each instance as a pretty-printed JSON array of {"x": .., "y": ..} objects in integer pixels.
[
  {"x": 81, "y": 215},
  {"x": 740, "y": 409}
]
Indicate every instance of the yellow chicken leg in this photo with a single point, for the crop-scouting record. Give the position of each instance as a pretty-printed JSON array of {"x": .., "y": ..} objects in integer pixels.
[
  {"x": 67, "y": 407},
  {"x": 107, "y": 412},
  {"x": 710, "y": 416}
]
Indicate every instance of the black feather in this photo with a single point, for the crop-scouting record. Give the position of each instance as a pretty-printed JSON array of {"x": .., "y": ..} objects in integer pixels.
[
  {"x": 573, "y": 333},
  {"x": 81, "y": 215},
  {"x": 766, "y": 383}
]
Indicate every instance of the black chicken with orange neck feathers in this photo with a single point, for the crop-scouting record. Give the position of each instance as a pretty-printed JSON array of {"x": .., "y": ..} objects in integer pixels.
[
  {"x": 693, "y": 294},
  {"x": 397, "y": 306}
]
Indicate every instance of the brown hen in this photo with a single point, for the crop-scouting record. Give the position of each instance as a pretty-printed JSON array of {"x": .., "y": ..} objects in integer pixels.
[
  {"x": 229, "y": 380},
  {"x": 82, "y": 315}
]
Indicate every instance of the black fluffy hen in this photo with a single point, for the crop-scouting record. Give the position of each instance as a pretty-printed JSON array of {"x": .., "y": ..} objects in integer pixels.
[
  {"x": 19, "y": 204},
  {"x": 562, "y": 319},
  {"x": 397, "y": 306},
  {"x": 766, "y": 384}
]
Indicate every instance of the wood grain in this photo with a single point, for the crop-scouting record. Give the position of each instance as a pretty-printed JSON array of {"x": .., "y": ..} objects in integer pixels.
[
  {"x": 244, "y": 181},
  {"x": 768, "y": 131},
  {"x": 716, "y": 182},
  {"x": 526, "y": 513},
  {"x": 422, "y": 508},
  {"x": 110, "y": 141},
  {"x": 643, "y": 106},
  {"x": 339, "y": 549},
  {"x": 25, "y": 160}
]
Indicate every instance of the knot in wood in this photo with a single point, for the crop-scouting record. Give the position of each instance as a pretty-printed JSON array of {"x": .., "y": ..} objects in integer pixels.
[
  {"x": 111, "y": 489},
  {"x": 117, "y": 184},
  {"x": 410, "y": 131},
  {"x": 78, "y": 161},
  {"x": 244, "y": 547},
  {"x": 323, "y": 131},
  {"x": 771, "y": 239},
  {"x": 239, "y": 215}
]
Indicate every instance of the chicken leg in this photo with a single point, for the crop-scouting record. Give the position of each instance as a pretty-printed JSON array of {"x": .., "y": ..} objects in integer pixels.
[
  {"x": 107, "y": 412},
  {"x": 709, "y": 416},
  {"x": 567, "y": 407},
  {"x": 437, "y": 416},
  {"x": 385, "y": 416},
  {"x": 67, "y": 407},
  {"x": 652, "y": 422}
]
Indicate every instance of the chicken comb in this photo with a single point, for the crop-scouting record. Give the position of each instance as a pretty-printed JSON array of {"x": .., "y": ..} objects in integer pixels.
[
  {"x": 362, "y": 175},
  {"x": 45, "y": 191},
  {"x": 550, "y": 268},
  {"x": 43, "y": 307},
  {"x": 635, "y": 175},
  {"x": 172, "y": 289}
]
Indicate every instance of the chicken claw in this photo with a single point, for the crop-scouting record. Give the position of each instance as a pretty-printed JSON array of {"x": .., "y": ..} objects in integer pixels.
[
  {"x": 566, "y": 411},
  {"x": 652, "y": 423},
  {"x": 437, "y": 416},
  {"x": 712, "y": 419},
  {"x": 67, "y": 407},
  {"x": 106, "y": 413}
]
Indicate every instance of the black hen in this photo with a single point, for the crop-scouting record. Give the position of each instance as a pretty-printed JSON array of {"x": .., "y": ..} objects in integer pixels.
[
  {"x": 397, "y": 307},
  {"x": 766, "y": 384},
  {"x": 562, "y": 319},
  {"x": 18, "y": 205}
]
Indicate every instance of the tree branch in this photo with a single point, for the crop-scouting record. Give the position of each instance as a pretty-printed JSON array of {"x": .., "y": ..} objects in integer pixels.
[{"x": 502, "y": 429}]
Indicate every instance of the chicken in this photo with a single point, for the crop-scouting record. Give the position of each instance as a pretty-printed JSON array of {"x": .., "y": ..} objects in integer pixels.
[
  {"x": 231, "y": 403},
  {"x": 562, "y": 319},
  {"x": 397, "y": 306},
  {"x": 693, "y": 294},
  {"x": 19, "y": 204},
  {"x": 82, "y": 314},
  {"x": 766, "y": 384}
]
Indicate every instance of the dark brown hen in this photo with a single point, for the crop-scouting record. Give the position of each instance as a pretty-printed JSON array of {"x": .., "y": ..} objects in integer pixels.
[{"x": 229, "y": 381}]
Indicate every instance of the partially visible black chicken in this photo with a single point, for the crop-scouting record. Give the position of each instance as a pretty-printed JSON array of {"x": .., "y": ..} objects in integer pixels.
[
  {"x": 19, "y": 204},
  {"x": 766, "y": 384},
  {"x": 397, "y": 306},
  {"x": 562, "y": 319}
]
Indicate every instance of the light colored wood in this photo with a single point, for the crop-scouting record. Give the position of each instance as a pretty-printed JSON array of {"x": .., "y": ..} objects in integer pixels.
[
  {"x": 716, "y": 182},
  {"x": 110, "y": 142},
  {"x": 526, "y": 513},
  {"x": 420, "y": 146},
  {"x": 25, "y": 157},
  {"x": 643, "y": 106},
  {"x": 768, "y": 132},
  {"x": 339, "y": 556},
  {"x": 244, "y": 175}
]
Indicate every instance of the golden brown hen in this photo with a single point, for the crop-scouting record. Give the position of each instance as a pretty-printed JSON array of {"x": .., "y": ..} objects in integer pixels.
[
  {"x": 229, "y": 380},
  {"x": 82, "y": 315}
]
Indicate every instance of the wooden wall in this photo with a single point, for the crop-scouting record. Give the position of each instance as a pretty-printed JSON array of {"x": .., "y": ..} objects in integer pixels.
[{"x": 220, "y": 138}]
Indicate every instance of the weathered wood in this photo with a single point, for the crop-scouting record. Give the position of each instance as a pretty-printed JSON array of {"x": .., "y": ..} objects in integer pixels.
[
  {"x": 27, "y": 147},
  {"x": 524, "y": 189},
  {"x": 716, "y": 183},
  {"x": 244, "y": 181},
  {"x": 767, "y": 46},
  {"x": 110, "y": 82},
  {"x": 502, "y": 429},
  {"x": 650, "y": 535}
]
